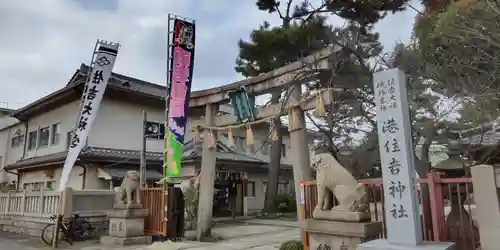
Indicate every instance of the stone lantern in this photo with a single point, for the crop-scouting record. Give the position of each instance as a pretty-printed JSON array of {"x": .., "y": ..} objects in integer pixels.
[{"x": 454, "y": 166}]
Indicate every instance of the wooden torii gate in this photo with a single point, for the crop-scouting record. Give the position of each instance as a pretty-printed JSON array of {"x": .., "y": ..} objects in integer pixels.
[{"x": 293, "y": 75}]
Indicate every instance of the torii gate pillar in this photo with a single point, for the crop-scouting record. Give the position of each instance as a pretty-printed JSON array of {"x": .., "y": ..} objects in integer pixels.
[
  {"x": 206, "y": 193},
  {"x": 299, "y": 145}
]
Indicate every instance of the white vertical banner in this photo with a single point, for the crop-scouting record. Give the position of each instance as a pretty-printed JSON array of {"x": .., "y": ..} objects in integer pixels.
[
  {"x": 302, "y": 193},
  {"x": 397, "y": 158},
  {"x": 104, "y": 60}
]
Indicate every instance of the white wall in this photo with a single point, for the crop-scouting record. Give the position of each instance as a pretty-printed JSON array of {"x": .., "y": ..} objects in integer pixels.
[
  {"x": 12, "y": 153},
  {"x": 255, "y": 202},
  {"x": 66, "y": 116},
  {"x": 119, "y": 124},
  {"x": 4, "y": 139},
  {"x": 5, "y": 122},
  {"x": 75, "y": 180}
]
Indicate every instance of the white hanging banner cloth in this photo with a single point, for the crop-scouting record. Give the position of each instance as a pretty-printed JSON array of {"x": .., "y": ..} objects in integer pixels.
[{"x": 95, "y": 87}]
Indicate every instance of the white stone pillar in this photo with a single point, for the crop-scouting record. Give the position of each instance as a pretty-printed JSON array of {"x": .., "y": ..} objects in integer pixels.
[
  {"x": 404, "y": 230},
  {"x": 484, "y": 180}
]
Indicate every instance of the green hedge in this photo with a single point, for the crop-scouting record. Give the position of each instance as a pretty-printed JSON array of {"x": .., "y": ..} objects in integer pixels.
[{"x": 292, "y": 245}]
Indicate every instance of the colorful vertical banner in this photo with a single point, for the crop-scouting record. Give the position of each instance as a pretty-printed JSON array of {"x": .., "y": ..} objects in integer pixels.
[
  {"x": 104, "y": 60},
  {"x": 178, "y": 93}
]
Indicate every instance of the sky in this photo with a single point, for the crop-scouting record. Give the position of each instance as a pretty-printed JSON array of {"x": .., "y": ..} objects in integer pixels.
[{"x": 44, "y": 42}]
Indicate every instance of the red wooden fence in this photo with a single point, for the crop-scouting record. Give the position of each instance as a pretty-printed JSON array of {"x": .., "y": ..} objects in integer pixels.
[{"x": 459, "y": 229}]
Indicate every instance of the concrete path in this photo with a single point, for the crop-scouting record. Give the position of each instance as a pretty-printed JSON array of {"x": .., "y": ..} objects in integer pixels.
[
  {"x": 269, "y": 240},
  {"x": 9, "y": 241},
  {"x": 255, "y": 235}
]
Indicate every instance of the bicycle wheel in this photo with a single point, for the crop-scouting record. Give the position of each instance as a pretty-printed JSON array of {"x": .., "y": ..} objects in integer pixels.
[{"x": 47, "y": 235}]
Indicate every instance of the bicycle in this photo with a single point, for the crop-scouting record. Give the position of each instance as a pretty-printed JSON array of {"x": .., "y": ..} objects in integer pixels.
[{"x": 74, "y": 229}]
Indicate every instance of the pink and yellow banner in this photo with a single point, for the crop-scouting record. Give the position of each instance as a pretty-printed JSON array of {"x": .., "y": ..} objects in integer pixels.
[{"x": 178, "y": 93}]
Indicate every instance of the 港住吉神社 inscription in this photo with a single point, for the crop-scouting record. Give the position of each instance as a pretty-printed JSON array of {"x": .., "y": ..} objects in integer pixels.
[{"x": 397, "y": 160}]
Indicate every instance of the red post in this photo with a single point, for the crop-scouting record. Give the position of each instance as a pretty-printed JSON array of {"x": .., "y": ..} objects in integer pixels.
[{"x": 437, "y": 205}]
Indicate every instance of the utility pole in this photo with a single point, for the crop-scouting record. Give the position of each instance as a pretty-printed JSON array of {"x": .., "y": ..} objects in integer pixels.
[{"x": 142, "y": 168}]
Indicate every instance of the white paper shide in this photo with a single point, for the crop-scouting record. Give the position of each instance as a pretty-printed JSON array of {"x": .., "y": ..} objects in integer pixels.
[
  {"x": 103, "y": 64},
  {"x": 397, "y": 159}
]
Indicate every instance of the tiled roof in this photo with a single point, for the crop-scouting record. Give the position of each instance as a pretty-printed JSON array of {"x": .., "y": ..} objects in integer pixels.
[
  {"x": 120, "y": 153},
  {"x": 191, "y": 151},
  {"x": 491, "y": 137},
  {"x": 122, "y": 81},
  {"x": 52, "y": 158},
  {"x": 6, "y": 110},
  {"x": 119, "y": 173}
]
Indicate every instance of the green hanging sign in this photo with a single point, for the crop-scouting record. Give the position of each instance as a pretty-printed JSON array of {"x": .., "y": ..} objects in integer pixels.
[{"x": 243, "y": 105}]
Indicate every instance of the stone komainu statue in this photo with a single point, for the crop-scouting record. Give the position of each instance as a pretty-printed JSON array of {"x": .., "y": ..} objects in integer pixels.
[
  {"x": 331, "y": 177},
  {"x": 129, "y": 190}
]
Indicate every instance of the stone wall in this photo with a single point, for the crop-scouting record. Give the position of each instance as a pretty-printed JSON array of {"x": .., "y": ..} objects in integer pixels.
[
  {"x": 28, "y": 213},
  {"x": 34, "y": 226},
  {"x": 22, "y": 225}
]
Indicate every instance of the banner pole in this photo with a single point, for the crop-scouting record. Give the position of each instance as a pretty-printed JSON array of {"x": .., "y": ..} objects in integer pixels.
[
  {"x": 142, "y": 167},
  {"x": 98, "y": 75},
  {"x": 180, "y": 60},
  {"x": 166, "y": 196}
]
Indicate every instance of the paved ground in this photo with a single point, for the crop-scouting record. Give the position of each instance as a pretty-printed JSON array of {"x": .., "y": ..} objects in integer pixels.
[
  {"x": 10, "y": 241},
  {"x": 254, "y": 234},
  {"x": 270, "y": 240}
]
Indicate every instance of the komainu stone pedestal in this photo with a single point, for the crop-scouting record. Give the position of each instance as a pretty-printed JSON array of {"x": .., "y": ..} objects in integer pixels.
[
  {"x": 340, "y": 215},
  {"x": 126, "y": 226},
  {"x": 328, "y": 234},
  {"x": 383, "y": 244}
]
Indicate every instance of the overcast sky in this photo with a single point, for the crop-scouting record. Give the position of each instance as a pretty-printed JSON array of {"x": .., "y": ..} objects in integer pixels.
[{"x": 43, "y": 42}]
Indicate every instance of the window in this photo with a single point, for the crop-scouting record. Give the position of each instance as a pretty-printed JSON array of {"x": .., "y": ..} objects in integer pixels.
[
  {"x": 32, "y": 136},
  {"x": 68, "y": 136},
  {"x": 55, "y": 133},
  {"x": 50, "y": 185},
  {"x": 283, "y": 150},
  {"x": 34, "y": 186},
  {"x": 250, "y": 189},
  {"x": 17, "y": 139},
  {"x": 44, "y": 136},
  {"x": 14, "y": 143}
]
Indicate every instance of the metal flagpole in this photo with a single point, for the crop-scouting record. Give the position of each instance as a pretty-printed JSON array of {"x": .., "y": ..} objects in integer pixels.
[
  {"x": 166, "y": 129},
  {"x": 55, "y": 242},
  {"x": 181, "y": 37},
  {"x": 142, "y": 170}
]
